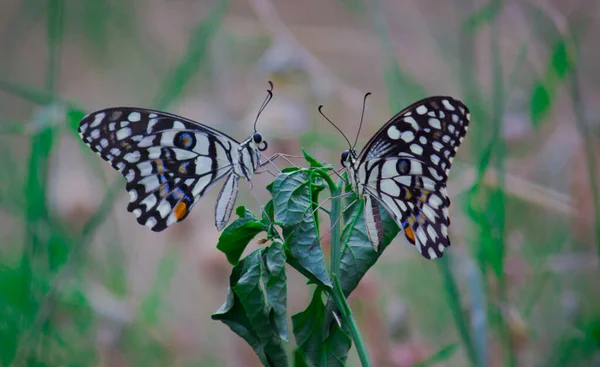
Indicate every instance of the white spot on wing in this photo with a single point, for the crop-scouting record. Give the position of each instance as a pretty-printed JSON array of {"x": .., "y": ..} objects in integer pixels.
[
  {"x": 435, "y": 123},
  {"x": 95, "y": 134},
  {"x": 163, "y": 208},
  {"x": 145, "y": 168},
  {"x": 137, "y": 212},
  {"x": 146, "y": 141},
  {"x": 431, "y": 253},
  {"x": 134, "y": 117},
  {"x": 421, "y": 110},
  {"x": 448, "y": 105},
  {"x": 408, "y": 136},
  {"x": 151, "y": 124},
  {"x": 132, "y": 196},
  {"x": 98, "y": 119},
  {"x": 390, "y": 188},
  {"x": 149, "y": 201},
  {"x": 132, "y": 157},
  {"x": 151, "y": 222},
  {"x": 393, "y": 132},
  {"x": 154, "y": 152},
  {"x": 123, "y": 133},
  {"x": 412, "y": 122},
  {"x": 130, "y": 175},
  {"x": 416, "y": 148}
]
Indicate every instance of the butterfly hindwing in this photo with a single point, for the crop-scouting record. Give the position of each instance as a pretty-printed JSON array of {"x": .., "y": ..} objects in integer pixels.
[
  {"x": 169, "y": 162},
  {"x": 405, "y": 166}
]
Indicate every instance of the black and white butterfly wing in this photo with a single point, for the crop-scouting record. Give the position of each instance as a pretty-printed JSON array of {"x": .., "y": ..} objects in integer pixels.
[
  {"x": 169, "y": 162},
  {"x": 405, "y": 168}
]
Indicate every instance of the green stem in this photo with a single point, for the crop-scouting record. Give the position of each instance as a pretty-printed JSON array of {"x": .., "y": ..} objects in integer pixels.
[
  {"x": 336, "y": 252},
  {"x": 334, "y": 217},
  {"x": 340, "y": 301}
]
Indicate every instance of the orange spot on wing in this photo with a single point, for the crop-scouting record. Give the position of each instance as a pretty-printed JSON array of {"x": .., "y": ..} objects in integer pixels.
[
  {"x": 410, "y": 234},
  {"x": 180, "y": 210}
]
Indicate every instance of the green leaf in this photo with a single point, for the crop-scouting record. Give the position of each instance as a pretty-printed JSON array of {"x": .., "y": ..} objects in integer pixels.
[
  {"x": 311, "y": 161},
  {"x": 357, "y": 253},
  {"x": 540, "y": 103},
  {"x": 74, "y": 116},
  {"x": 239, "y": 233},
  {"x": 256, "y": 302},
  {"x": 291, "y": 197},
  {"x": 442, "y": 355},
  {"x": 303, "y": 241},
  {"x": 562, "y": 60},
  {"x": 317, "y": 346},
  {"x": 276, "y": 285},
  {"x": 486, "y": 14}
]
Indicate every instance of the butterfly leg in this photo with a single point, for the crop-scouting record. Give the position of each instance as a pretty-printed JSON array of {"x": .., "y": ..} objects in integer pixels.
[
  {"x": 262, "y": 209},
  {"x": 337, "y": 173},
  {"x": 330, "y": 198},
  {"x": 335, "y": 222}
]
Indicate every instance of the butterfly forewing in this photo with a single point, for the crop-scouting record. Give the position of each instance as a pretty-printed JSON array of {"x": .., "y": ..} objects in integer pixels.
[
  {"x": 405, "y": 167},
  {"x": 169, "y": 162}
]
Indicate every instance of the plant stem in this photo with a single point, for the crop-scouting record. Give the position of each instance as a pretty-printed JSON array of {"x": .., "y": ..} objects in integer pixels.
[
  {"x": 334, "y": 217},
  {"x": 336, "y": 252},
  {"x": 340, "y": 301}
]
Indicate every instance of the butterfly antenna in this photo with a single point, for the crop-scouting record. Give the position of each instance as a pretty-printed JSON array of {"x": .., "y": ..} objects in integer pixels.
[
  {"x": 362, "y": 115},
  {"x": 337, "y": 128},
  {"x": 265, "y": 103}
]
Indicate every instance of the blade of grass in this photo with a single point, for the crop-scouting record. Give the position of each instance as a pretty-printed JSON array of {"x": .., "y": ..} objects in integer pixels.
[
  {"x": 193, "y": 58},
  {"x": 498, "y": 103},
  {"x": 35, "y": 189},
  {"x": 402, "y": 89},
  {"x": 590, "y": 155},
  {"x": 455, "y": 304}
]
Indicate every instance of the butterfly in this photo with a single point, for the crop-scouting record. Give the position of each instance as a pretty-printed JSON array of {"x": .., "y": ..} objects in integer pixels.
[
  {"x": 170, "y": 162},
  {"x": 404, "y": 168}
]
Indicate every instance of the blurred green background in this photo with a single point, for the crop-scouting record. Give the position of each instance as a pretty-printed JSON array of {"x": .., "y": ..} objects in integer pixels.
[{"x": 82, "y": 284}]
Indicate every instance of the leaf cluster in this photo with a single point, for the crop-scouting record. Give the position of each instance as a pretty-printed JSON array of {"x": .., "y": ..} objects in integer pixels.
[{"x": 256, "y": 307}]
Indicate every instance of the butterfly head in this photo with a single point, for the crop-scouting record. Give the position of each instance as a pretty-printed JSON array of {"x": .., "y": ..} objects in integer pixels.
[
  {"x": 348, "y": 158},
  {"x": 258, "y": 142}
]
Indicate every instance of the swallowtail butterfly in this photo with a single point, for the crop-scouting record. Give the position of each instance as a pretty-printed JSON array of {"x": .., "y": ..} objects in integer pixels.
[
  {"x": 170, "y": 162},
  {"x": 405, "y": 166}
]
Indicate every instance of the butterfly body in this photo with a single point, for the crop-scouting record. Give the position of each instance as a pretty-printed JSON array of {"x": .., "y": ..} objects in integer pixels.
[
  {"x": 170, "y": 162},
  {"x": 404, "y": 168}
]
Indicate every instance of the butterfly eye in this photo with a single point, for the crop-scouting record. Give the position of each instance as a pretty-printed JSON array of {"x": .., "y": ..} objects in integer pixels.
[
  {"x": 345, "y": 155},
  {"x": 257, "y": 138}
]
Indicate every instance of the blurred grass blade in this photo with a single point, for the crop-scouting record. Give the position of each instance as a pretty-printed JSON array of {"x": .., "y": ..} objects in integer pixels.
[
  {"x": 100, "y": 215},
  {"x": 485, "y": 15},
  {"x": 442, "y": 355},
  {"x": 193, "y": 58},
  {"x": 31, "y": 94},
  {"x": 455, "y": 304},
  {"x": 590, "y": 153},
  {"x": 402, "y": 89},
  {"x": 478, "y": 310}
]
